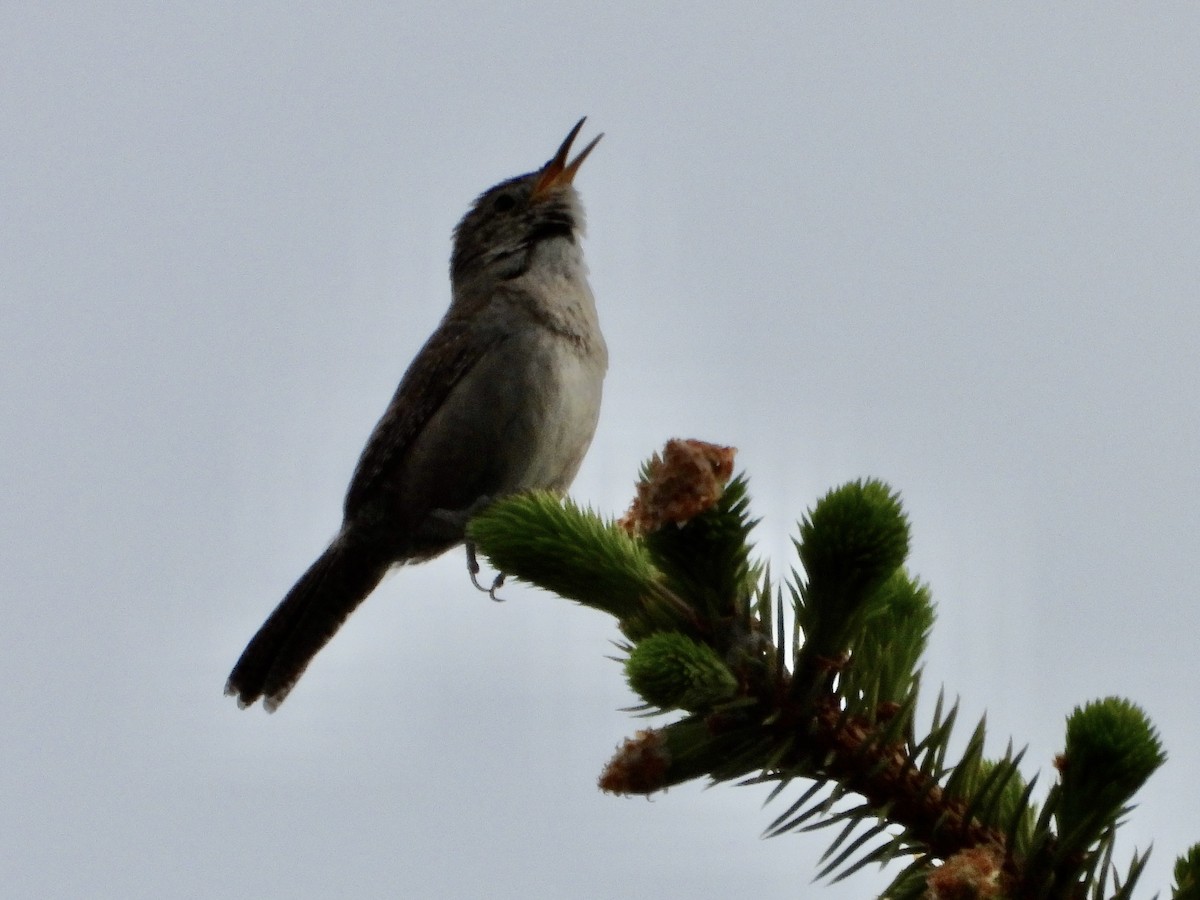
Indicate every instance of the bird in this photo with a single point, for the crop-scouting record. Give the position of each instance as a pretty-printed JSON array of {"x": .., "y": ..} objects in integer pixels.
[{"x": 504, "y": 397}]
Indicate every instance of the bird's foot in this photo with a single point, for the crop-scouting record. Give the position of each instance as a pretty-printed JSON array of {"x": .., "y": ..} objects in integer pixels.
[{"x": 473, "y": 570}]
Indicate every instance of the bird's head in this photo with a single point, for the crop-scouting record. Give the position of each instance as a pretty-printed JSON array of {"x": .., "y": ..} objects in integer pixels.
[{"x": 495, "y": 239}]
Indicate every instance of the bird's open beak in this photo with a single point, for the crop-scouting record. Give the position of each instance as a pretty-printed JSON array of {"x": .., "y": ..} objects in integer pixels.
[{"x": 558, "y": 172}]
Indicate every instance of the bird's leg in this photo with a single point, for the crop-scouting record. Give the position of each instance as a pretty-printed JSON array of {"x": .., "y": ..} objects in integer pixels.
[
  {"x": 473, "y": 570},
  {"x": 473, "y": 566},
  {"x": 454, "y": 521}
]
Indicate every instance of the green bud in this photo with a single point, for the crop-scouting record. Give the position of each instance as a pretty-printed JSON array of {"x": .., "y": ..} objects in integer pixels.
[
  {"x": 1187, "y": 875},
  {"x": 1111, "y": 750},
  {"x": 850, "y": 544},
  {"x": 554, "y": 544},
  {"x": 671, "y": 671},
  {"x": 857, "y": 535},
  {"x": 1001, "y": 805},
  {"x": 887, "y": 649}
]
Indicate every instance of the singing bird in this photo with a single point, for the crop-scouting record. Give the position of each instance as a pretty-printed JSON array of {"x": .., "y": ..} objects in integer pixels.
[{"x": 504, "y": 397}]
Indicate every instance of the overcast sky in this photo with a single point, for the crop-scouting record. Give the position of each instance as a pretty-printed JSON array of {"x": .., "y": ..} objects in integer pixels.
[{"x": 953, "y": 246}]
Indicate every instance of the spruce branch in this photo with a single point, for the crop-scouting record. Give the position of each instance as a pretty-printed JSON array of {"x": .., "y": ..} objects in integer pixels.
[{"x": 825, "y": 689}]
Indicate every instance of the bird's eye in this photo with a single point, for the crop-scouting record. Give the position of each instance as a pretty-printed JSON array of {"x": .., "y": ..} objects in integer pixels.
[{"x": 504, "y": 203}]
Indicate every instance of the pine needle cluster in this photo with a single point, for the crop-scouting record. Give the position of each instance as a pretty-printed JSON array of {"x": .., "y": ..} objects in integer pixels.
[{"x": 812, "y": 684}]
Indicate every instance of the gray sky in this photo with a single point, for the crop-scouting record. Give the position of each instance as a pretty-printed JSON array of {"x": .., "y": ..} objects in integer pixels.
[{"x": 951, "y": 246}]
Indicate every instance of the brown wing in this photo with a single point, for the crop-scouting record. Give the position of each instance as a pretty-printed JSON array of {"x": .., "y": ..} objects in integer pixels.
[{"x": 449, "y": 354}]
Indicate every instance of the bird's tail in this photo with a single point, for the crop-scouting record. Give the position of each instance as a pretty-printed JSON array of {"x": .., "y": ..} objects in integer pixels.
[{"x": 305, "y": 620}]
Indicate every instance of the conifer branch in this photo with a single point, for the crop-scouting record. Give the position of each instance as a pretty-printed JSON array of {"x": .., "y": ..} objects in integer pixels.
[{"x": 831, "y": 697}]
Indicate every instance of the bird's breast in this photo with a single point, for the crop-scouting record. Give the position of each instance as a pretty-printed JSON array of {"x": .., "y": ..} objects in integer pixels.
[{"x": 562, "y": 413}]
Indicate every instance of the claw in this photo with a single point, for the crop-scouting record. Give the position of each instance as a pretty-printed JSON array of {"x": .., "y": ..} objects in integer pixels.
[
  {"x": 473, "y": 571},
  {"x": 497, "y": 583}
]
